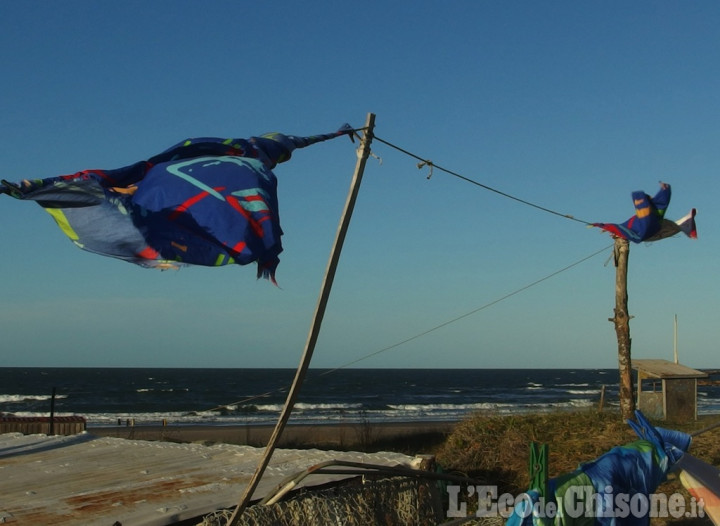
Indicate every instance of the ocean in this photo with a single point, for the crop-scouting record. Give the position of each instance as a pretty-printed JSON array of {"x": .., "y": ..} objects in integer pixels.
[{"x": 110, "y": 396}]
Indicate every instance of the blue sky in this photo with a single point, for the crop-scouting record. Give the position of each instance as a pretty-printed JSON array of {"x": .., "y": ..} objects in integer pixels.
[{"x": 569, "y": 105}]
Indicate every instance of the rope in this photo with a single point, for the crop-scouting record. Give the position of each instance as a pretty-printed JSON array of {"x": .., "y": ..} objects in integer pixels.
[
  {"x": 462, "y": 316},
  {"x": 428, "y": 331},
  {"x": 424, "y": 162},
  {"x": 431, "y": 165},
  {"x": 705, "y": 430}
]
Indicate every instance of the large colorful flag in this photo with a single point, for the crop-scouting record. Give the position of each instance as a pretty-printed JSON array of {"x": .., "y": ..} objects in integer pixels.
[
  {"x": 649, "y": 223},
  {"x": 205, "y": 201}
]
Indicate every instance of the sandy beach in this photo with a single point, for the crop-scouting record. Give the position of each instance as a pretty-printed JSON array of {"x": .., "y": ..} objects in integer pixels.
[{"x": 322, "y": 436}]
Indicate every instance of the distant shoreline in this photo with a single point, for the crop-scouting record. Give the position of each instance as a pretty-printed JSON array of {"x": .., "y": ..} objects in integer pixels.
[{"x": 301, "y": 436}]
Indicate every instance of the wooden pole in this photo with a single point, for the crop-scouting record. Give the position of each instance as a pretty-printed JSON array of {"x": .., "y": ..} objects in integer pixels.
[
  {"x": 622, "y": 328},
  {"x": 675, "y": 334},
  {"x": 51, "y": 431},
  {"x": 363, "y": 154}
]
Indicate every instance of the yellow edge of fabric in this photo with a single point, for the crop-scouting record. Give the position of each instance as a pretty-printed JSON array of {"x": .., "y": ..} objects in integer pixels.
[{"x": 63, "y": 223}]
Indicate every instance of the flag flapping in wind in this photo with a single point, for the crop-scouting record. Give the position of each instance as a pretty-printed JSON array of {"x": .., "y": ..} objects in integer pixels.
[
  {"x": 649, "y": 222},
  {"x": 205, "y": 201}
]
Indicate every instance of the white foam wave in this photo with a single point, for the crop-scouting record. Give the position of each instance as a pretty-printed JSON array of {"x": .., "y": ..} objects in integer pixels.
[
  {"x": 34, "y": 414},
  {"x": 327, "y": 415},
  {"x": 19, "y": 398},
  {"x": 302, "y": 406},
  {"x": 169, "y": 390}
]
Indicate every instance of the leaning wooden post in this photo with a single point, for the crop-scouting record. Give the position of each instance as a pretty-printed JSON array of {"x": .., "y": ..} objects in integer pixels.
[
  {"x": 363, "y": 154},
  {"x": 622, "y": 328}
]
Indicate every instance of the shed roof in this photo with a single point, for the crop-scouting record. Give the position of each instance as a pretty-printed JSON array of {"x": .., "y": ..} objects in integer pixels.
[{"x": 666, "y": 369}]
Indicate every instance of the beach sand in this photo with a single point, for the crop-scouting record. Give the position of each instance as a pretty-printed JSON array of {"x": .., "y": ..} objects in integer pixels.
[{"x": 360, "y": 436}]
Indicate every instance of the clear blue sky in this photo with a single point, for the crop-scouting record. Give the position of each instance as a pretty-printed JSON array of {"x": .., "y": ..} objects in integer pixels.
[{"x": 569, "y": 105}]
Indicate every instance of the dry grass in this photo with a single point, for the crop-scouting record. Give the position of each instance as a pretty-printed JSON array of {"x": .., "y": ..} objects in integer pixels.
[{"x": 496, "y": 449}]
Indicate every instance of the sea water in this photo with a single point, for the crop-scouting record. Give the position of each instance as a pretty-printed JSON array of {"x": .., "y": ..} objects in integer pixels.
[{"x": 112, "y": 396}]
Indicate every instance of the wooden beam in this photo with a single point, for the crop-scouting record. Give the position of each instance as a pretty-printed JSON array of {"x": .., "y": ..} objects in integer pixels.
[
  {"x": 363, "y": 154},
  {"x": 621, "y": 320}
]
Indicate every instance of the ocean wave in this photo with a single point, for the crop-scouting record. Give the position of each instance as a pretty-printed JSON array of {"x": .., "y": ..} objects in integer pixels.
[
  {"x": 322, "y": 407},
  {"x": 397, "y": 413},
  {"x": 20, "y": 398},
  {"x": 168, "y": 390},
  {"x": 206, "y": 397},
  {"x": 304, "y": 406},
  {"x": 328, "y": 414},
  {"x": 43, "y": 414}
]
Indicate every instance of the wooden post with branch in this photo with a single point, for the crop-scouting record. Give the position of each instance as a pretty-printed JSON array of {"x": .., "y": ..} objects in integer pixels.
[
  {"x": 622, "y": 328},
  {"x": 363, "y": 154}
]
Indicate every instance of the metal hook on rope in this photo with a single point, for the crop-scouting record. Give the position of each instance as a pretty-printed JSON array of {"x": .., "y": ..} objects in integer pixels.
[{"x": 429, "y": 163}]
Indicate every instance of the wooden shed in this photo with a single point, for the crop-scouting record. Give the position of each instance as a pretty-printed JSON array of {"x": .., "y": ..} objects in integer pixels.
[{"x": 667, "y": 390}]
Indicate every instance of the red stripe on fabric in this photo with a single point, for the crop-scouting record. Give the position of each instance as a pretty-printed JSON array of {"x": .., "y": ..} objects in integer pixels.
[
  {"x": 148, "y": 253},
  {"x": 257, "y": 229},
  {"x": 85, "y": 175},
  {"x": 183, "y": 207},
  {"x": 100, "y": 173}
]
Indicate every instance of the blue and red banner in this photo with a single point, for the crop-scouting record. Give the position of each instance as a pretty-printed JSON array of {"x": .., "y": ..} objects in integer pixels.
[{"x": 205, "y": 201}]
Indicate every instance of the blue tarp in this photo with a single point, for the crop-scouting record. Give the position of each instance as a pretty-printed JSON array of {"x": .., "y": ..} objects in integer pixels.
[{"x": 610, "y": 490}]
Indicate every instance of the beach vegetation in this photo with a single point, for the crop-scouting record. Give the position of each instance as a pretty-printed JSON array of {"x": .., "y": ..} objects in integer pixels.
[{"x": 495, "y": 448}]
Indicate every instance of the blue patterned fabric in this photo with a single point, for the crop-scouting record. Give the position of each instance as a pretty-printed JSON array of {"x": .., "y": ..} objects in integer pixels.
[
  {"x": 649, "y": 223},
  {"x": 205, "y": 201},
  {"x": 609, "y": 490}
]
